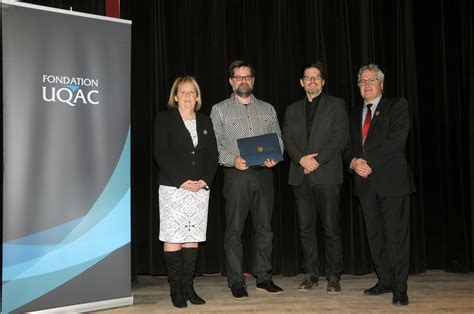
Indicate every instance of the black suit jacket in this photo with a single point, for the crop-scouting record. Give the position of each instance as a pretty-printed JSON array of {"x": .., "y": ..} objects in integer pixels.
[
  {"x": 384, "y": 148},
  {"x": 329, "y": 134},
  {"x": 177, "y": 158}
]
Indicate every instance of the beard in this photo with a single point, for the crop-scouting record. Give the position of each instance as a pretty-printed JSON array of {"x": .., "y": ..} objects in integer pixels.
[
  {"x": 313, "y": 91},
  {"x": 244, "y": 90}
]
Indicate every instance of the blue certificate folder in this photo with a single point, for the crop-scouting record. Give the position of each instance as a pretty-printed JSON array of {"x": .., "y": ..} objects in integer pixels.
[{"x": 256, "y": 149}]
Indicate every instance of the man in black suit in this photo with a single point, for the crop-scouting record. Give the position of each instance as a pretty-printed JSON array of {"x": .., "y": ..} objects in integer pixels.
[
  {"x": 315, "y": 132},
  {"x": 376, "y": 152}
]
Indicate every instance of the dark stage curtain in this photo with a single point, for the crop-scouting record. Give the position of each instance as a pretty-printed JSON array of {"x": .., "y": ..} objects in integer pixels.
[
  {"x": 444, "y": 54},
  {"x": 426, "y": 52}
]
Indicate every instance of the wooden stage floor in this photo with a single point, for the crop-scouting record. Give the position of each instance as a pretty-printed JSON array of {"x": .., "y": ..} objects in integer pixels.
[{"x": 433, "y": 291}]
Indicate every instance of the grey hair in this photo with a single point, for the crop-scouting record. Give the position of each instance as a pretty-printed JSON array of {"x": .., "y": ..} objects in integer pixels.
[{"x": 373, "y": 68}]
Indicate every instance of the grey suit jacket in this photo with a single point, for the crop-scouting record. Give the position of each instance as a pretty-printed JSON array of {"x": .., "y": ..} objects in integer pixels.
[{"x": 328, "y": 137}]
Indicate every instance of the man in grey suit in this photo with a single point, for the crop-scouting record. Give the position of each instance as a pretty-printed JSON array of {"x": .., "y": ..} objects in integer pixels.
[{"x": 315, "y": 132}]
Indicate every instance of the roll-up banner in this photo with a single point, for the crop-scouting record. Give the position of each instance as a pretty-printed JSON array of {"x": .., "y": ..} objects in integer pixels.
[{"x": 66, "y": 160}]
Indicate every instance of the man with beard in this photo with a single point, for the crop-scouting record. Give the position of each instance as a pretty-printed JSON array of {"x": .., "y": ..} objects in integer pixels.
[
  {"x": 315, "y": 132},
  {"x": 246, "y": 188}
]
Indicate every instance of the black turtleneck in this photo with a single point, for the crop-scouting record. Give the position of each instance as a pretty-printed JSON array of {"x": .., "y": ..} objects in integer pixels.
[{"x": 311, "y": 107}]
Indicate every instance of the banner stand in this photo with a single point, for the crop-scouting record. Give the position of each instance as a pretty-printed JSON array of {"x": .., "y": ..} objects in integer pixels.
[
  {"x": 66, "y": 186},
  {"x": 93, "y": 306}
]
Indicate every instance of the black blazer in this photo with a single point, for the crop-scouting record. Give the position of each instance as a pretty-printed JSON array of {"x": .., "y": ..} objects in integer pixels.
[
  {"x": 177, "y": 158},
  {"x": 328, "y": 137},
  {"x": 384, "y": 148}
]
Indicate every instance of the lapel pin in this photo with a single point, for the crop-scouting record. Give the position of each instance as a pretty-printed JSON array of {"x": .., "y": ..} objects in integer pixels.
[
  {"x": 204, "y": 132},
  {"x": 377, "y": 113}
]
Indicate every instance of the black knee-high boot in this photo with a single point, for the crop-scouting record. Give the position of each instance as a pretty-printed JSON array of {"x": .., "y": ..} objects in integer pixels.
[
  {"x": 174, "y": 265},
  {"x": 189, "y": 267}
]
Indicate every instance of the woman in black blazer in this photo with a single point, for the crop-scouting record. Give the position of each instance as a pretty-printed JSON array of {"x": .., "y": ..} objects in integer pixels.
[{"x": 185, "y": 150}]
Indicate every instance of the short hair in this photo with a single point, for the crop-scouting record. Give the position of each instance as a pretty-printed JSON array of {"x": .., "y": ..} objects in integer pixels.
[
  {"x": 315, "y": 64},
  {"x": 373, "y": 68},
  {"x": 240, "y": 64},
  {"x": 172, "y": 103}
]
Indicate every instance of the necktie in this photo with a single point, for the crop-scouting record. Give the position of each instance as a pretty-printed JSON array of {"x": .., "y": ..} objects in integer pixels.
[{"x": 366, "y": 126}]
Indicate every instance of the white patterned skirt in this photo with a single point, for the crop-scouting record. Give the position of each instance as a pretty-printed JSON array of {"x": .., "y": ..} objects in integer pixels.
[{"x": 183, "y": 214}]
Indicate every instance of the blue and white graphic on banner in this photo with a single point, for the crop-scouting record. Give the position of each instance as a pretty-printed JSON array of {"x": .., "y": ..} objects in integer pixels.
[{"x": 39, "y": 263}]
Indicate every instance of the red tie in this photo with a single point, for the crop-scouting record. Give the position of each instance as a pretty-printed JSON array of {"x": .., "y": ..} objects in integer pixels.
[{"x": 366, "y": 126}]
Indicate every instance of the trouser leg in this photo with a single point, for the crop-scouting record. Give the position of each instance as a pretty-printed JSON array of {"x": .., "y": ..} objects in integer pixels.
[
  {"x": 396, "y": 212},
  {"x": 236, "y": 210},
  {"x": 306, "y": 212},
  {"x": 375, "y": 226},
  {"x": 327, "y": 200},
  {"x": 262, "y": 200}
]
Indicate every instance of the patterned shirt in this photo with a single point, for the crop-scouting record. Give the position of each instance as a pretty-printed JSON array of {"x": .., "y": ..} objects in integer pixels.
[{"x": 233, "y": 120}]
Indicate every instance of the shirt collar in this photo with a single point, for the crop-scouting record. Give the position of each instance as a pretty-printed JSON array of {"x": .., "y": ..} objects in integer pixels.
[
  {"x": 374, "y": 102},
  {"x": 236, "y": 101}
]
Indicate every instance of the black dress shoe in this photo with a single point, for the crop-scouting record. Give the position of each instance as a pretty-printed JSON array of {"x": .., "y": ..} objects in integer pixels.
[
  {"x": 308, "y": 283},
  {"x": 334, "y": 287},
  {"x": 378, "y": 289},
  {"x": 239, "y": 293},
  {"x": 269, "y": 286},
  {"x": 400, "y": 298}
]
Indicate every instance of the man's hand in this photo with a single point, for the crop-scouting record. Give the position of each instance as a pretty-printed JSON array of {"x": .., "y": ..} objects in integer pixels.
[
  {"x": 240, "y": 163},
  {"x": 308, "y": 163},
  {"x": 270, "y": 163},
  {"x": 361, "y": 167}
]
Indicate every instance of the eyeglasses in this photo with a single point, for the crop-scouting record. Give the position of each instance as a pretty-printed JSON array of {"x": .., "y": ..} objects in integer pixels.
[
  {"x": 308, "y": 78},
  {"x": 243, "y": 78},
  {"x": 371, "y": 81}
]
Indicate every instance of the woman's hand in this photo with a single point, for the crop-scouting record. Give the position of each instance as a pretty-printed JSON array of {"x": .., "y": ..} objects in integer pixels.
[
  {"x": 202, "y": 184},
  {"x": 190, "y": 185},
  {"x": 193, "y": 186}
]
